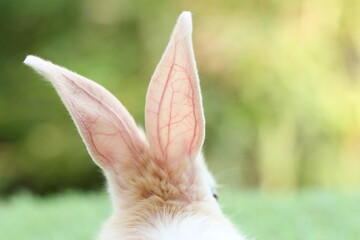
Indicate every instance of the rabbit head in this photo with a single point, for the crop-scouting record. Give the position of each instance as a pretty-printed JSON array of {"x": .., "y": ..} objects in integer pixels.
[{"x": 159, "y": 184}]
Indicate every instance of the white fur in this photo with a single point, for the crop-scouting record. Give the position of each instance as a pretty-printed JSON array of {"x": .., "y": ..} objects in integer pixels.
[{"x": 193, "y": 227}]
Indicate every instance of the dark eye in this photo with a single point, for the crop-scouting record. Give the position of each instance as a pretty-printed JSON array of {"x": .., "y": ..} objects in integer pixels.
[
  {"x": 216, "y": 196},
  {"x": 215, "y": 193}
]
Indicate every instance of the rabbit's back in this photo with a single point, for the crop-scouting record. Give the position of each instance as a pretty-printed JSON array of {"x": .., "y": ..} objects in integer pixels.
[{"x": 169, "y": 221}]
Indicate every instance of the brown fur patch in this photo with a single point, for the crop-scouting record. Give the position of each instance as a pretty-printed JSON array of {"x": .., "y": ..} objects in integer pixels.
[
  {"x": 147, "y": 177},
  {"x": 149, "y": 188},
  {"x": 148, "y": 213}
]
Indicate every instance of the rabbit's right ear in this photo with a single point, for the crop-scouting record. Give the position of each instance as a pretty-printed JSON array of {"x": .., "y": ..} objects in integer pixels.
[
  {"x": 175, "y": 122},
  {"x": 108, "y": 130}
]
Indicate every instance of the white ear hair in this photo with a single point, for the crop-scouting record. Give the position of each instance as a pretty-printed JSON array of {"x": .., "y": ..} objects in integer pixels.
[
  {"x": 174, "y": 114},
  {"x": 108, "y": 130}
]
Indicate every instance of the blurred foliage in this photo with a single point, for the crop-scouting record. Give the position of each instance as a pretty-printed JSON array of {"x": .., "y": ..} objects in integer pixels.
[
  {"x": 310, "y": 215},
  {"x": 280, "y": 81}
]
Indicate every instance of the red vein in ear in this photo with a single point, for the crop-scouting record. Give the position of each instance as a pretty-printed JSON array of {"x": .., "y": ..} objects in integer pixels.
[
  {"x": 168, "y": 78},
  {"x": 174, "y": 121},
  {"x": 85, "y": 123},
  {"x": 193, "y": 110}
]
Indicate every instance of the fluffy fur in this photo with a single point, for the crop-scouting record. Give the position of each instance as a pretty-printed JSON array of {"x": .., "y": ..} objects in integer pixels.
[{"x": 159, "y": 183}]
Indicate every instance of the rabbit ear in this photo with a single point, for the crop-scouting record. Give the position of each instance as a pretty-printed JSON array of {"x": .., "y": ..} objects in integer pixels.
[
  {"x": 174, "y": 113},
  {"x": 108, "y": 130}
]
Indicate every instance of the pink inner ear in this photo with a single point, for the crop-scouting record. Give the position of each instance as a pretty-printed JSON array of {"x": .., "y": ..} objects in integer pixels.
[
  {"x": 108, "y": 130},
  {"x": 174, "y": 115},
  {"x": 105, "y": 132}
]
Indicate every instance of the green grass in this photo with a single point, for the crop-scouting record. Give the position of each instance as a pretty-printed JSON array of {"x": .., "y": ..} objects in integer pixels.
[{"x": 308, "y": 215}]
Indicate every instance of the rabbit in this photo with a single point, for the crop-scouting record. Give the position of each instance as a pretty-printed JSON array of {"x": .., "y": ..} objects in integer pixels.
[{"x": 159, "y": 184}]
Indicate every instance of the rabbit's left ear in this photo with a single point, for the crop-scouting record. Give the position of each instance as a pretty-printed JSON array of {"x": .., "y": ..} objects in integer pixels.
[
  {"x": 174, "y": 114},
  {"x": 107, "y": 128}
]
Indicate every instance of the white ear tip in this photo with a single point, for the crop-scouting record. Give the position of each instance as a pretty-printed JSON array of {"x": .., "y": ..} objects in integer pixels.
[
  {"x": 32, "y": 60},
  {"x": 29, "y": 59},
  {"x": 186, "y": 14},
  {"x": 185, "y": 18},
  {"x": 38, "y": 64}
]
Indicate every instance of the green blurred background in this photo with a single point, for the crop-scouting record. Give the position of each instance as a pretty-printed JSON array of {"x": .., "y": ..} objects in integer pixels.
[{"x": 280, "y": 83}]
